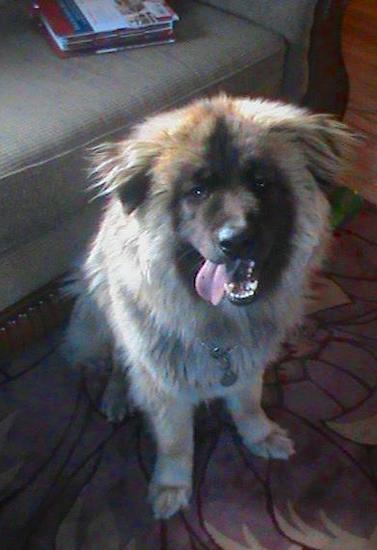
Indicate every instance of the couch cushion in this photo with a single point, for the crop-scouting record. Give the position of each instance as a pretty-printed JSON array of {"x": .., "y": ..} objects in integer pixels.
[
  {"x": 292, "y": 19},
  {"x": 52, "y": 109}
]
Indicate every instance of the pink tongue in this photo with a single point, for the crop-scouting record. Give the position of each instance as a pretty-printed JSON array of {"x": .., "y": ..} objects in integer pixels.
[{"x": 210, "y": 281}]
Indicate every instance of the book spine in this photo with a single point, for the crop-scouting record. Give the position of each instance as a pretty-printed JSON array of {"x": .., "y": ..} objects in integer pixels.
[
  {"x": 51, "y": 10},
  {"x": 118, "y": 34},
  {"x": 75, "y": 16},
  {"x": 100, "y": 43}
]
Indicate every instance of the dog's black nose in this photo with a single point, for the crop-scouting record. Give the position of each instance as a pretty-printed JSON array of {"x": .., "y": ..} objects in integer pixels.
[{"x": 234, "y": 241}]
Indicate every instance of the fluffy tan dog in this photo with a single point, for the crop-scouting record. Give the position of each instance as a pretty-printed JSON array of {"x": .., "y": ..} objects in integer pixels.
[{"x": 215, "y": 218}]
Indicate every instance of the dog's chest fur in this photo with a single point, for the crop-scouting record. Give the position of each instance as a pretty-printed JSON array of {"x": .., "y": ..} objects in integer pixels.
[
  {"x": 180, "y": 355},
  {"x": 160, "y": 327}
]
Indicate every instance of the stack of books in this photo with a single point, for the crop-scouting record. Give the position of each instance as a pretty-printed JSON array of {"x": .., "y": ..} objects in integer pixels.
[{"x": 100, "y": 26}]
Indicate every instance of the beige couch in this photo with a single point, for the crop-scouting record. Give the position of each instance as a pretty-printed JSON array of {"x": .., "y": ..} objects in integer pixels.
[{"x": 52, "y": 110}]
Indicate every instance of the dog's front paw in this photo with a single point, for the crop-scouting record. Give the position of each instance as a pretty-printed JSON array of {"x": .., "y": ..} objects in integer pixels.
[
  {"x": 115, "y": 404},
  {"x": 276, "y": 444},
  {"x": 115, "y": 410},
  {"x": 166, "y": 500}
]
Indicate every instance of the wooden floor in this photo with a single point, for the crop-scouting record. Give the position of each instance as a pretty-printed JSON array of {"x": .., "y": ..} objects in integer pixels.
[{"x": 360, "y": 54}]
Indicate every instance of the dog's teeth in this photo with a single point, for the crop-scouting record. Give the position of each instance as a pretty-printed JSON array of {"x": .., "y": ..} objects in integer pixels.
[
  {"x": 242, "y": 291},
  {"x": 242, "y": 295},
  {"x": 251, "y": 285},
  {"x": 250, "y": 268}
]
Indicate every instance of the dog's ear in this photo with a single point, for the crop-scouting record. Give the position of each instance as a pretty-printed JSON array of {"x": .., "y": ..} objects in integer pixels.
[
  {"x": 125, "y": 169},
  {"x": 327, "y": 144}
]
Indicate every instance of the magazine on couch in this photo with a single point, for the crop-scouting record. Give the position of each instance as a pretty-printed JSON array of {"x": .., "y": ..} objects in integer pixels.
[{"x": 74, "y": 26}]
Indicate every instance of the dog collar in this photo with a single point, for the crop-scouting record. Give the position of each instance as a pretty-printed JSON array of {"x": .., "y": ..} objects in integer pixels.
[{"x": 222, "y": 356}]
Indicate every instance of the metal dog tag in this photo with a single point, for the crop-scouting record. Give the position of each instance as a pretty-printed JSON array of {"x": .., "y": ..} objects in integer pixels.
[{"x": 229, "y": 377}]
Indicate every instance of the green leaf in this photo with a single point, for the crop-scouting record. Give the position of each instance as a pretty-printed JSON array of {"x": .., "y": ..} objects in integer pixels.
[{"x": 345, "y": 203}]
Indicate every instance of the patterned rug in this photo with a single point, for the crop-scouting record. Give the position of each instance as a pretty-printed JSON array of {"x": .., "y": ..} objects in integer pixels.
[{"x": 69, "y": 480}]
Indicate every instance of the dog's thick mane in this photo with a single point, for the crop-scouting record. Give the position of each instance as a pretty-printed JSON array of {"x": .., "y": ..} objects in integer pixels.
[
  {"x": 130, "y": 276},
  {"x": 174, "y": 321}
]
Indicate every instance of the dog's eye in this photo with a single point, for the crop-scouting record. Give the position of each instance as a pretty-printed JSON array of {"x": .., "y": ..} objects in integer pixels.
[
  {"x": 199, "y": 192},
  {"x": 255, "y": 177},
  {"x": 258, "y": 181}
]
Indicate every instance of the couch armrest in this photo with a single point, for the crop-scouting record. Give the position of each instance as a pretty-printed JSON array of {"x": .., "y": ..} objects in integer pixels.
[{"x": 291, "y": 19}]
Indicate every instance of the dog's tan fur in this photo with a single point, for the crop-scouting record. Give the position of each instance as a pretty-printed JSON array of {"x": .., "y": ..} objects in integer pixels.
[{"x": 131, "y": 298}]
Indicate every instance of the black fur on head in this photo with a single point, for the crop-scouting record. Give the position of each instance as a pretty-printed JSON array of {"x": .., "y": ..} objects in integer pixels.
[
  {"x": 124, "y": 169},
  {"x": 236, "y": 184}
]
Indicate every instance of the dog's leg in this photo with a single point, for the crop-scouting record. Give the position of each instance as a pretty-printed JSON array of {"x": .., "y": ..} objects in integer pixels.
[
  {"x": 262, "y": 436},
  {"x": 87, "y": 337},
  {"x": 170, "y": 488},
  {"x": 115, "y": 403}
]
